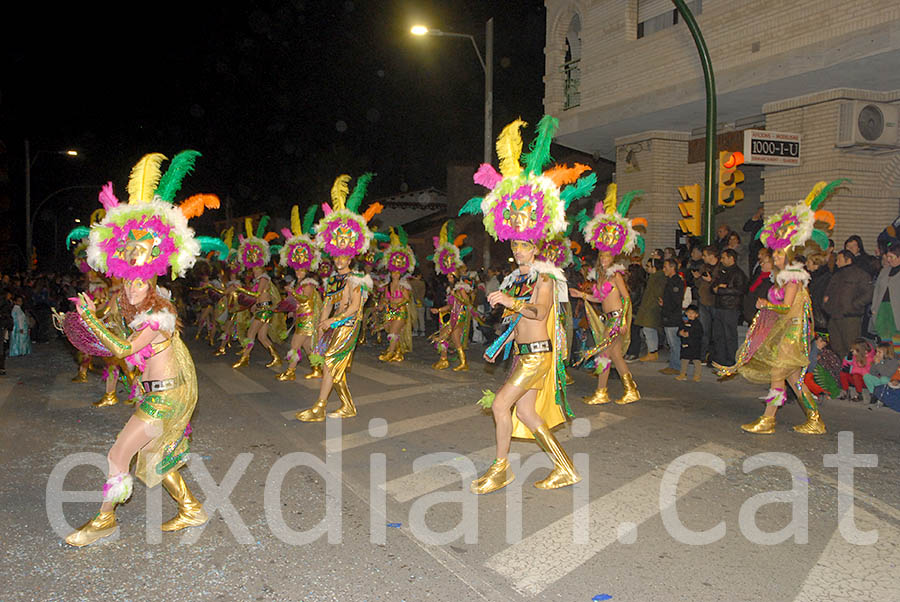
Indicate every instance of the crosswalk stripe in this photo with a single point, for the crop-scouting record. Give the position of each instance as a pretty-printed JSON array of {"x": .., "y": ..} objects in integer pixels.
[
  {"x": 541, "y": 559},
  {"x": 432, "y": 478},
  {"x": 230, "y": 379},
  {"x": 409, "y": 425},
  {"x": 386, "y": 396},
  {"x": 380, "y": 375},
  {"x": 846, "y": 571},
  {"x": 857, "y": 494}
]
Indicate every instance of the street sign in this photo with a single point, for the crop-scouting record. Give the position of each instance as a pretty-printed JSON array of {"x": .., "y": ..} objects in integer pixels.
[{"x": 762, "y": 147}]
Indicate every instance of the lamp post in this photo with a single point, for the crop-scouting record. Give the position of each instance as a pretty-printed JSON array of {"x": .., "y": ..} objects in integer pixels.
[
  {"x": 29, "y": 163},
  {"x": 40, "y": 205},
  {"x": 487, "y": 65}
]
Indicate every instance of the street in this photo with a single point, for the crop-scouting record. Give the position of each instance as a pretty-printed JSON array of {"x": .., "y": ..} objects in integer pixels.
[{"x": 646, "y": 523}]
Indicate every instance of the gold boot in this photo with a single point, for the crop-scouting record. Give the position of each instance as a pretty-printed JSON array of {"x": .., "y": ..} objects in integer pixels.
[
  {"x": 498, "y": 476},
  {"x": 441, "y": 364},
  {"x": 600, "y": 396},
  {"x": 813, "y": 424},
  {"x": 220, "y": 351},
  {"x": 81, "y": 377},
  {"x": 631, "y": 391},
  {"x": 108, "y": 399},
  {"x": 764, "y": 425},
  {"x": 397, "y": 357},
  {"x": 289, "y": 374},
  {"x": 463, "y": 364},
  {"x": 316, "y": 373},
  {"x": 313, "y": 414},
  {"x": 276, "y": 360},
  {"x": 347, "y": 409},
  {"x": 190, "y": 511},
  {"x": 563, "y": 473},
  {"x": 102, "y": 525},
  {"x": 569, "y": 379},
  {"x": 386, "y": 356},
  {"x": 245, "y": 360}
]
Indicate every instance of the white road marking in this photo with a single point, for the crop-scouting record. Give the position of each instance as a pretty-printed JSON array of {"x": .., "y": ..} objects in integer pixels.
[
  {"x": 409, "y": 425},
  {"x": 231, "y": 380},
  {"x": 380, "y": 375},
  {"x": 363, "y": 400}
]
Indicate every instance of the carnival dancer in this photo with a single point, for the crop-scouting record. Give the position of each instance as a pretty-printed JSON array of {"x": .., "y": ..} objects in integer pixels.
[
  {"x": 302, "y": 254},
  {"x": 343, "y": 234},
  {"x": 254, "y": 254},
  {"x": 559, "y": 252},
  {"x": 139, "y": 241},
  {"x": 611, "y": 233},
  {"x": 455, "y": 317},
  {"x": 95, "y": 284},
  {"x": 525, "y": 206},
  {"x": 399, "y": 261},
  {"x": 776, "y": 348}
]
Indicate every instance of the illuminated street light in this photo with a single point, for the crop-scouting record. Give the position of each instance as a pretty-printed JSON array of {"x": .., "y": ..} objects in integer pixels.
[{"x": 419, "y": 30}]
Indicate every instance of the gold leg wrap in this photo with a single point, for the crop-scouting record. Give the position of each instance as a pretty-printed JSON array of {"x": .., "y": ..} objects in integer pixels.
[
  {"x": 102, "y": 525},
  {"x": 190, "y": 511},
  {"x": 463, "y": 364},
  {"x": 764, "y": 425},
  {"x": 631, "y": 391},
  {"x": 313, "y": 414},
  {"x": 289, "y": 374},
  {"x": 81, "y": 377},
  {"x": 316, "y": 373},
  {"x": 600, "y": 396},
  {"x": 563, "y": 473},
  {"x": 812, "y": 426},
  {"x": 569, "y": 379},
  {"x": 108, "y": 399},
  {"x": 276, "y": 360},
  {"x": 498, "y": 476},
  {"x": 441, "y": 364},
  {"x": 347, "y": 409}
]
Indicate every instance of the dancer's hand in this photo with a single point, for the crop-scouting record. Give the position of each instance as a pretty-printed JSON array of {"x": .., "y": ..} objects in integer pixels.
[
  {"x": 574, "y": 292},
  {"x": 85, "y": 303},
  {"x": 761, "y": 303},
  {"x": 499, "y": 298},
  {"x": 489, "y": 360}
]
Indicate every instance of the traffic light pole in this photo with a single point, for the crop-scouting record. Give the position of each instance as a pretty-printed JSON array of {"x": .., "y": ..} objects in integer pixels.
[{"x": 711, "y": 155}]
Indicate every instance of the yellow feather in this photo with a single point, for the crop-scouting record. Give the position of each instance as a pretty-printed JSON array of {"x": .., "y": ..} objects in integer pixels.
[
  {"x": 509, "y": 149},
  {"x": 815, "y": 191},
  {"x": 442, "y": 238},
  {"x": 339, "y": 192},
  {"x": 97, "y": 216},
  {"x": 296, "y": 228},
  {"x": 144, "y": 178},
  {"x": 609, "y": 203},
  {"x": 227, "y": 236},
  {"x": 248, "y": 226},
  {"x": 395, "y": 240}
]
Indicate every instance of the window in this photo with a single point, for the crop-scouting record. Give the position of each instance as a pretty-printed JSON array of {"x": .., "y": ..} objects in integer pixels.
[
  {"x": 571, "y": 68},
  {"x": 656, "y": 15}
]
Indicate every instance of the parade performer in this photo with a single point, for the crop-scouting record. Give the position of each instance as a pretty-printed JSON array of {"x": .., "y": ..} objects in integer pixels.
[
  {"x": 343, "y": 234},
  {"x": 232, "y": 319},
  {"x": 525, "y": 206},
  {"x": 371, "y": 322},
  {"x": 611, "y": 233},
  {"x": 455, "y": 317},
  {"x": 94, "y": 283},
  {"x": 301, "y": 254},
  {"x": 139, "y": 241},
  {"x": 399, "y": 261},
  {"x": 776, "y": 348},
  {"x": 254, "y": 254},
  {"x": 559, "y": 252}
]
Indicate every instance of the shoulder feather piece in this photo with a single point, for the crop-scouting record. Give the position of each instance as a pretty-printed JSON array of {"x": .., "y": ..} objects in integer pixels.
[
  {"x": 144, "y": 178},
  {"x": 794, "y": 272}
]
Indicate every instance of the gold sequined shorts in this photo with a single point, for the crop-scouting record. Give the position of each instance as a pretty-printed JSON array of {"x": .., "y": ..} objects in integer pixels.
[{"x": 530, "y": 370}]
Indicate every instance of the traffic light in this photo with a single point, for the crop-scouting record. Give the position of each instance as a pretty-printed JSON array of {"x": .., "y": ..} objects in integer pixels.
[
  {"x": 729, "y": 178},
  {"x": 691, "y": 210}
]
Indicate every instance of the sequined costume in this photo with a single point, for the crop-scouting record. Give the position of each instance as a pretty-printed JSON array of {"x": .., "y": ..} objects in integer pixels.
[{"x": 606, "y": 327}]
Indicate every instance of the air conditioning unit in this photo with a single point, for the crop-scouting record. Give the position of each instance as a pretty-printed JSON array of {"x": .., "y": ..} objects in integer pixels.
[{"x": 868, "y": 124}]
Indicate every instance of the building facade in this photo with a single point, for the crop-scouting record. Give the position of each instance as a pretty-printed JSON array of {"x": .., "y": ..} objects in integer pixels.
[{"x": 625, "y": 81}]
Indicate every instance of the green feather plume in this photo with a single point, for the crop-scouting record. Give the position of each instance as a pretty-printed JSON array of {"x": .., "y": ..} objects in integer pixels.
[
  {"x": 582, "y": 218},
  {"x": 472, "y": 206},
  {"x": 77, "y": 233},
  {"x": 625, "y": 203},
  {"x": 576, "y": 261},
  {"x": 487, "y": 399},
  {"x": 275, "y": 249},
  {"x": 402, "y": 235},
  {"x": 820, "y": 238},
  {"x": 824, "y": 379},
  {"x": 182, "y": 164},
  {"x": 465, "y": 251},
  {"x": 359, "y": 191},
  {"x": 823, "y": 194},
  {"x": 570, "y": 228},
  {"x": 309, "y": 219},
  {"x": 640, "y": 243},
  {"x": 430, "y": 257},
  {"x": 261, "y": 228},
  {"x": 213, "y": 243},
  {"x": 538, "y": 154},
  {"x": 580, "y": 189},
  {"x": 382, "y": 236}
]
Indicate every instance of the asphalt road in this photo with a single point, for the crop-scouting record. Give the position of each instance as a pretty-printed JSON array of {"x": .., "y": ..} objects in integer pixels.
[{"x": 677, "y": 503}]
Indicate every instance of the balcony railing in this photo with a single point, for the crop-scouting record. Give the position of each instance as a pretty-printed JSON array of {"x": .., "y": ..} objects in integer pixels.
[{"x": 572, "y": 71}]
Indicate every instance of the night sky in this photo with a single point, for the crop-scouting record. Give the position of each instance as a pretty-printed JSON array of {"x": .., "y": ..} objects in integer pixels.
[{"x": 280, "y": 97}]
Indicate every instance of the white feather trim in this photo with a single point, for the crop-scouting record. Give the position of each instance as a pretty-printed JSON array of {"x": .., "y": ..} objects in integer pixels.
[
  {"x": 795, "y": 272},
  {"x": 463, "y": 286},
  {"x": 311, "y": 281},
  {"x": 616, "y": 268},
  {"x": 404, "y": 283},
  {"x": 364, "y": 282},
  {"x": 164, "y": 292},
  {"x": 157, "y": 320},
  {"x": 559, "y": 278}
]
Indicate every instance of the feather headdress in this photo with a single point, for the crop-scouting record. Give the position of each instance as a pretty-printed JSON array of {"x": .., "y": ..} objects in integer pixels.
[
  {"x": 448, "y": 256},
  {"x": 524, "y": 202},
  {"x": 148, "y": 236},
  {"x": 254, "y": 250},
  {"x": 300, "y": 252},
  {"x": 343, "y": 231},
  {"x": 398, "y": 257},
  {"x": 609, "y": 230},
  {"x": 794, "y": 225}
]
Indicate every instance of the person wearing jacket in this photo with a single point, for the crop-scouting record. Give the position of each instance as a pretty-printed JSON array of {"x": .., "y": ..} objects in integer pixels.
[
  {"x": 671, "y": 314},
  {"x": 759, "y": 285},
  {"x": 648, "y": 315},
  {"x": 846, "y": 296},
  {"x": 729, "y": 287},
  {"x": 886, "y": 298},
  {"x": 819, "y": 277}
]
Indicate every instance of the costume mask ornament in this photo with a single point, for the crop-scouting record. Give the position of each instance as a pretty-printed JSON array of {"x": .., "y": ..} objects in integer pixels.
[
  {"x": 790, "y": 228},
  {"x": 254, "y": 250},
  {"x": 149, "y": 236},
  {"x": 609, "y": 231},
  {"x": 343, "y": 231},
  {"x": 525, "y": 202},
  {"x": 81, "y": 234},
  {"x": 398, "y": 257},
  {"x": 447, "y": 255},
  {"x": 300, "y": 251}
]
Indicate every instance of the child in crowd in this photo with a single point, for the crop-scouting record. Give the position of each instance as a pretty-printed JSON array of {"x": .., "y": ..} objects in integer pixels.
[
  {"x": 691, "y": 334},
  {"x": 824, "y": 372},
  {"x": 883, "y": 368},
  {"x": 855, "y": 365},
  {"x": 20, "y": 338}
]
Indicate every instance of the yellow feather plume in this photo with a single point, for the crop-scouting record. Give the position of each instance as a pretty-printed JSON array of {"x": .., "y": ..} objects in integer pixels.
[
  {"x": 296, "y": 227},
  {"x": 442, "y": 237},
  {"x": 609, "y": 202},
  {"x": 97, "y": 215},
  {"x": 144, "y": 178},
  {"x": 395, "y": 240},
  {"x": 509, "y": 149},
  {"x": 248, "y": 226},
  {"x": 339, "y": 192},
  {"x": 228, "y": 236},
  {"x": 814, "y": 192}
]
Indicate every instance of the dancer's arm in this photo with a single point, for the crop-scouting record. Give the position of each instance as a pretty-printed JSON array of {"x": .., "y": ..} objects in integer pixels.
[
  {"x": 537, "y": 309},
  {"x": 121, "y": 348}
]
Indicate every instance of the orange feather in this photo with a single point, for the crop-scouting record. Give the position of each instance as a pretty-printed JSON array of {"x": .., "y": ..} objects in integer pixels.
[
  {"x": 270, "y": 236},
  {"x": 373, "y": 210},
  {"x": 459, "y": 240},
  {"x": 825, "y": 216},
  {"x": 639, "y": 221},
  {"x": 195, "y": 206},
  {"x": 562, "y": 175}
]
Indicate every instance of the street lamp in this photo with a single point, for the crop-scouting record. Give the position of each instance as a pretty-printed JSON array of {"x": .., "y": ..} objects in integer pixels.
[
  {"x": 29, "y": 162},
  {"x": 487, "y": 65}
]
